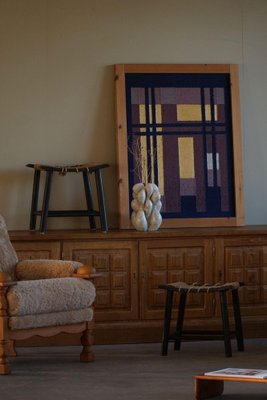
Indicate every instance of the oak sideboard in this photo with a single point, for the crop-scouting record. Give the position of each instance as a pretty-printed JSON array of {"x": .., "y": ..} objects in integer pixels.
[{"x": 129, "y": 305}]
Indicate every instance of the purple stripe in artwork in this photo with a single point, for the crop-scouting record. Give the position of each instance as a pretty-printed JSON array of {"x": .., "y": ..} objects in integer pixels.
[
  {"x": 219, "y": 96},
  {"x": 221, "y": 113},
  {"x": 172, "y": 201},
  {"x": 189, "y": 96},
  {"x": 199, "y": 171},
  {"x": 166, "y": 95},
  {"x": 135, "y": 130},
  {"x": 187, "y": 187},
  {"x": 169, "y": 114},
  {"x": 207, "y": 95},
  {"x": 209, "y": 161},
  {"x": 221, "y": 149},
  {"x": 209, "y": 143},
  {"x": 219, "y": 181},
  {"x": 210, "y": 178},
  {"x": 135, "y": 114},
  {"x": 177, "y": 96},
  {"x": 137, "y": 96}
]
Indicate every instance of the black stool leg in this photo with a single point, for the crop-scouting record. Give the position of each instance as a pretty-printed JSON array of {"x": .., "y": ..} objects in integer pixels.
[
  {"x": 238, "y": 322},
  {"x": 35, "y": 195},
  {"x": 225, "y": 322},
  {"x": 101, "y": 200},
  {"x": 89, "y": 199},
  {"x": 167, "y": 322},
  {"x": 46, "y": 199},
  {"x": 180, "y": 321}
]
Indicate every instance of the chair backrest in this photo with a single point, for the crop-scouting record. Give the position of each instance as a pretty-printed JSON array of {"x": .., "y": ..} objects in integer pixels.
[{"x": 8, "y": 256}]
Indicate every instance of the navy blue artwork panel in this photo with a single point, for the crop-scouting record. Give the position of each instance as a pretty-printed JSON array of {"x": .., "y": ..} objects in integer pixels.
[{"x": 179, "y": 136}]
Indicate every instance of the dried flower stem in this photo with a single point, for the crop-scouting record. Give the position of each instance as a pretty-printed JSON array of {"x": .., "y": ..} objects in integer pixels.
[{"x": 140, "y": 163}]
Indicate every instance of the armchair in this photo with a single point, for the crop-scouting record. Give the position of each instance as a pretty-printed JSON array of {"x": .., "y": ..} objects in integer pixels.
[{"x": 42, "y": 297}]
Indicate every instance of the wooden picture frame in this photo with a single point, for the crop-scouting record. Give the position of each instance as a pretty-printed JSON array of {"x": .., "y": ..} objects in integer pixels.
[{"x": 213, "y": 119}]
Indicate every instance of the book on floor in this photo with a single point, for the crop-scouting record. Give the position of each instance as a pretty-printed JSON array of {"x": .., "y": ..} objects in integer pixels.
[{"x": 240, "y": 373}]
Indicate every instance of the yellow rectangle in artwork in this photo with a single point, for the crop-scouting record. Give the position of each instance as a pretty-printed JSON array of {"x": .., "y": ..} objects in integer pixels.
[
  {"x": 158, "y": 116},
  {"x": 152, "y": 160},
  {"x": 142, "y": 113},
  {"x": 160, "y": 165},
  {"x": 143, "y": 165},
  {"x": 186, "y": 157},
  {"x": 192, "y": 112}
]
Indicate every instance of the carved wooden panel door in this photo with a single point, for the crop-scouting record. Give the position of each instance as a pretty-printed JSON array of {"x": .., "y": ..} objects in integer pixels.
[
  {"x": 166, "y": 261},
  {"x": 37, "y": 250},
  {"x": 116, "y": 298},
  {"x": 245, "y": 260}
]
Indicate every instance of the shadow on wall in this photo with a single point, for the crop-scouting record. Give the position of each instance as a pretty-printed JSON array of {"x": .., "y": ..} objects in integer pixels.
[
  {"x": 67, "y": 193},
  {"x": 15, "y": 195},
  {"x": 102, "y": 130}
]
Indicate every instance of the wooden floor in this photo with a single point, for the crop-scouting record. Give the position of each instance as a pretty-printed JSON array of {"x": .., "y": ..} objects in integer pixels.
[{"x": 131, "y": 372}]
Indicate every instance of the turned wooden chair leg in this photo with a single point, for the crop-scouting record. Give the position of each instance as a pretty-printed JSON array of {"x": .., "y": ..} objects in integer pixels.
[
  {"x": 5, "y": 366},
  {"x": 11, "y": 348},
  {"x": 87, "y": 341}
]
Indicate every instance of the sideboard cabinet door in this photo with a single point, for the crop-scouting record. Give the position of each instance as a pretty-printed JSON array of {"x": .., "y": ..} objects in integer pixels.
[
  {"x": 165, "y": 261},
  {"x": 116, "y": 298},
  {"x": 27, "y": 250},
  {"x": 245, "y": 260}
]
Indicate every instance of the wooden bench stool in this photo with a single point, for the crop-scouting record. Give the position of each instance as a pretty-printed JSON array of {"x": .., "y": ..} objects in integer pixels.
[
  {"x": 86, "y": 170},
  {"x": 180, "y": 334}
]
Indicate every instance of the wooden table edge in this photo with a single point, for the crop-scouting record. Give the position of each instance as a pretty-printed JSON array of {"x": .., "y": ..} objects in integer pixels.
[
  {"x": 207, "y": 386},
  {"x": 228, "y": 378}
]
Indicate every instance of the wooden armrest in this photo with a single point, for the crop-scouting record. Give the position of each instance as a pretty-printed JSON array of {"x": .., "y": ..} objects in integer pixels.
[
  {"x": 5, "y": 280},
  {"x": 87, "y": 276},
  {"x": 86, "y": 272}
]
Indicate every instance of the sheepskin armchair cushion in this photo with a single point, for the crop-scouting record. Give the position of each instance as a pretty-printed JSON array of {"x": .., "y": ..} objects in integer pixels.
[
  {"x": 28, "y": 300},
  {"x": 45, "y": 269}
]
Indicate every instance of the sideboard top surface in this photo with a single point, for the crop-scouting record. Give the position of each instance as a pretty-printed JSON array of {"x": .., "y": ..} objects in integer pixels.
[{"x": 127, "y": 234}]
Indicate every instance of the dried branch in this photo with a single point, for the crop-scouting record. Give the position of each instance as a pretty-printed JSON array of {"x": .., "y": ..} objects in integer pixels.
[{"x": 140, "y": 163}]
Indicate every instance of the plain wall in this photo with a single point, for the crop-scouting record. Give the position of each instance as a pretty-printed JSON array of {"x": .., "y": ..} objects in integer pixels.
[{"x": 57, "y": 89}]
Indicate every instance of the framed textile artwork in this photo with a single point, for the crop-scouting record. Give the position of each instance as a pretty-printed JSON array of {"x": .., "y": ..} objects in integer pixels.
[{"x": 178, "y": 126}]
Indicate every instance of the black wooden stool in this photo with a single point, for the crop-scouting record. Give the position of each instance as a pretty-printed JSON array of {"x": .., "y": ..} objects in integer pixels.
[
  {"x": 86, "y": 170},
  {"x": 225, "y": 334}
]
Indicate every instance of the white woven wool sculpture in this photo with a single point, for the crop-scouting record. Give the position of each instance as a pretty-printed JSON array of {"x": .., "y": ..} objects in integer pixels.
[{"x": 146, "y": 206}]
